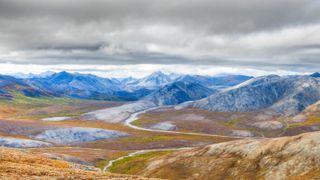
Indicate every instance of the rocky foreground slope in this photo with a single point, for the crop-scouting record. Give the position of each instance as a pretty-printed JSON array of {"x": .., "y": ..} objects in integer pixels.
[
  {"x": 294, "y": 157},
  {"x": 16, "y": 164}
]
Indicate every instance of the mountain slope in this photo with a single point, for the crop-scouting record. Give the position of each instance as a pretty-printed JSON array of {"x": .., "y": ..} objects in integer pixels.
[
  {"x": 284, "y": 95},
  {"x": 179, "y": 92},
  {"x": 10, "y": 85},
  {"x": 316, "y": 75},
  {"x": 77, "y": 85},
  {"x": 279, "y": 158},
  {"x": 87, "y": 86},
  {"x": 170, "y": 94}
]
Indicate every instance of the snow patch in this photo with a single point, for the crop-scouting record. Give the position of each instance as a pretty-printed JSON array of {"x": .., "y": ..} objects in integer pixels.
[{"x": 56, "y": 118}]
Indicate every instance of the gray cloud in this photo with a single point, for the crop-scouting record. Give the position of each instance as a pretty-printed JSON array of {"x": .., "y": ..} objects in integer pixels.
[{"x": 279, "y": 34}]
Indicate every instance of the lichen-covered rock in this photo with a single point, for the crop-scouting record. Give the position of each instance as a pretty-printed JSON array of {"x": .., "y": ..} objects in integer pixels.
[
  {"x": 77, "y": 135},
  {"x": 22, "y": 143},
  {"x": 268, "y": 125}
]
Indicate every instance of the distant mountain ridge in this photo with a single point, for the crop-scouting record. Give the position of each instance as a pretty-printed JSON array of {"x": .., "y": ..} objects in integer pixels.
[
  {"x": 76, "y": 85},
  {"x": 31, "y": 75},
  {"x": 216, "y": 82},
  {"x": 228, "y": 93},
  {"x": 87, "y": 86}
]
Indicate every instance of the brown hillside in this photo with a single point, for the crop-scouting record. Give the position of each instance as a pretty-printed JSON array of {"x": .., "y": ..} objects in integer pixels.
[
  {"x": 17, "y": 164},
  {"x": 295, "y": 157},
  {"x": 313, "y": 109}
]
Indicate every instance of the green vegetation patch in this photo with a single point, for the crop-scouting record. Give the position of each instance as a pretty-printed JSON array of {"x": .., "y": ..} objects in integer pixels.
[
  {"x": 25, "y": 107},
  {"x": 310, "y": 121},
  {"x": 134, "y": 164},
  {"x": 20, "y": 98},
  {"x": 167, "y": 137},
  {"x": 145, "y": 120},
  {"x": 101, "y": 164},
  {"x": 232, "y": 122}
]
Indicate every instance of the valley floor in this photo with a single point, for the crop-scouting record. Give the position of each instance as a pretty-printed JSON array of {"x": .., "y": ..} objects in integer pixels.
[
  {"x": 130, "y": 146},
  {"x": 19, "y": 126}
]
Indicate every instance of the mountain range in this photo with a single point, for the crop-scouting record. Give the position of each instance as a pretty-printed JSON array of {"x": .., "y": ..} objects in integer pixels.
[
  {"x": 229, "y": 93},
  {"x": 87, "y": 86}
]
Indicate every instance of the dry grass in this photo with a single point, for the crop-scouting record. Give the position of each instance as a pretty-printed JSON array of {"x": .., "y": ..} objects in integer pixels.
[
  {"x": 95, "y": 157},
  {"x": 26, "y": 108},
  {"x": 15, "y": 164},
  {"x": 202, "y": 121},
  {"x": 311, "y": 120}
]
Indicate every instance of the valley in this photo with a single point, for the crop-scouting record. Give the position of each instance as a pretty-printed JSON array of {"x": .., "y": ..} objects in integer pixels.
[{"x": 175, "y": 115}]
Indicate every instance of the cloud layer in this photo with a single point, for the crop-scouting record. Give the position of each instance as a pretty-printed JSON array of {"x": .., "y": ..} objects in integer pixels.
[{"x": 278, "y": 35}]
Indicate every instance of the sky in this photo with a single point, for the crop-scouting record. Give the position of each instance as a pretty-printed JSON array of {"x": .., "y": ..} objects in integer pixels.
[{"x": 136, "y": 37}]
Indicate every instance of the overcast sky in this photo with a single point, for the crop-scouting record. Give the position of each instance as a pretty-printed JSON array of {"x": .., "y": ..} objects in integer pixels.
[{"x": 136, "y": 37}]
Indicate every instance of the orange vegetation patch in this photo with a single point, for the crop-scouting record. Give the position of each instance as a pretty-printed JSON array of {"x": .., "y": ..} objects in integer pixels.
[
  {"x": 16, "y": 164},
  {"x": 36, "y": 111},
  {"x": 91, "y": 156}
]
